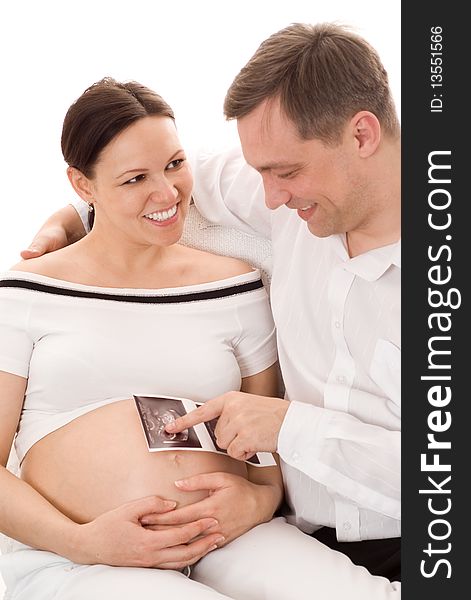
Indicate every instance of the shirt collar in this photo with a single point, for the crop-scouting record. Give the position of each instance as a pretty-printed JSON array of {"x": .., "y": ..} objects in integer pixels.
[{"x": 370, "y": 265}]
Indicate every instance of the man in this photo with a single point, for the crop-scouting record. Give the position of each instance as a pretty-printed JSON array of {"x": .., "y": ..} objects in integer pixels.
[
  {"x": 316, "y": 119},
  {"x": 317, "y": 122}
]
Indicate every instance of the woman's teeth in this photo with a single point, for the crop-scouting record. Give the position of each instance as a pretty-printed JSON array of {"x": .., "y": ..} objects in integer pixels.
[{"x": 162, "y": 215}]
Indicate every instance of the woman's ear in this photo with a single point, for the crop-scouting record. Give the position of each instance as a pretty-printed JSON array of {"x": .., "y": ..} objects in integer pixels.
[
  {"x": 367, "y": 132},
  {"x": 81, "y": 184}
]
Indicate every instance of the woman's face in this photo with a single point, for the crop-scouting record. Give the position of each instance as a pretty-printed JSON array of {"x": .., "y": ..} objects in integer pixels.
[{"x": 142, "y": 184}]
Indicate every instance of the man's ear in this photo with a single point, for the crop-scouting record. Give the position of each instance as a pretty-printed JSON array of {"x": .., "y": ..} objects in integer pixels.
[
  {"x": 367, "y": 132},
  {"x": 81, "y": 184}
]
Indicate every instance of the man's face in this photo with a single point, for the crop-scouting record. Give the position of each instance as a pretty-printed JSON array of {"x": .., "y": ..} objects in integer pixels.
[{"x": 326, "y": 184}]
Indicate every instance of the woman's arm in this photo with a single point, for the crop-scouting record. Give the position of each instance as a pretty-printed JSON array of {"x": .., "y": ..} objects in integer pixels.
[
  {"x": 62, "y": 228},
  {"x": 115, "y": 538},
  {"x": 20, "y": 504}
]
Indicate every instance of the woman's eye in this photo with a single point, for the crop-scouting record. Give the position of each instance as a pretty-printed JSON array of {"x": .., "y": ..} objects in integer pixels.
[
  {"x": 175, "y": 163},
  {"x": 135, "y": 179}
]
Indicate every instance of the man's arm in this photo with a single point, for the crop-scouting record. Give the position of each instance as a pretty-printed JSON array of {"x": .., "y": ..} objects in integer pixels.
[
  {"x": 356, "y": 460},
  {"x": 226, "y": 191},
  {"x": 353, "y": 459},
  {"x": 229, "y": 192},
  {"x": 62, "y": 228}
]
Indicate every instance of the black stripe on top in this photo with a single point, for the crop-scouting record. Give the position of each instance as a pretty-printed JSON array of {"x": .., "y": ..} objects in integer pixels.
[{"x": 232, "y": 290}]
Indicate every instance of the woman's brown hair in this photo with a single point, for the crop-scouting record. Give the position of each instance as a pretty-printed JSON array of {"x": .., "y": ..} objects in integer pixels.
[{"x": 103, "y": 111}]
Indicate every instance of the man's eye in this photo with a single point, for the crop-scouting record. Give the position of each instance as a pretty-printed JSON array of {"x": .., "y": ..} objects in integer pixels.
[
  {"x": 287, "y": 175},
  {"x": 175, "y": 163},
  {"x": 135, "y": 179}
]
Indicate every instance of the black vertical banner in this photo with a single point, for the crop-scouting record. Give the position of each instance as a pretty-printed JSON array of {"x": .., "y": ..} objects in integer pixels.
[{"x": 436, "y": 370}]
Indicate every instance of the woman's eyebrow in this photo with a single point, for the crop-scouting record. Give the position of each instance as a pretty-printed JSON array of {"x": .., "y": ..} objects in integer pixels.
[{"x": 131, "y": 171}]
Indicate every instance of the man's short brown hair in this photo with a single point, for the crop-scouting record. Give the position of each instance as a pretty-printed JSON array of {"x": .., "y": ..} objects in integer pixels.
[{"x": 322, "y": 74}]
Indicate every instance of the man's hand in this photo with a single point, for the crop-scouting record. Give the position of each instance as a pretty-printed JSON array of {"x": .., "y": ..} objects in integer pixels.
[
  {"x": 61, "y": 229},
  {"x": 247, "y": 423},
  {"x": 120, "y": 538},
  {"x": 46, "y": 240},
  {"x": 237, "y": 504}
]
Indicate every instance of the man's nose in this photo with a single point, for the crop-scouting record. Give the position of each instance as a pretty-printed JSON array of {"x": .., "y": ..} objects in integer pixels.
[{"x": 274, "y": 195}]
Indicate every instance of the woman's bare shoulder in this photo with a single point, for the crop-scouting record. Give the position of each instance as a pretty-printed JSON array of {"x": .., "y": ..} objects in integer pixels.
[
  {"x": 50, "y": 265},
  {"x": 217, "y": 266}
]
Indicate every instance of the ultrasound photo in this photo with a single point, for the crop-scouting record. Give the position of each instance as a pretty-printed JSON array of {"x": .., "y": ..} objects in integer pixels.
[{"x": 156, "y": 413}]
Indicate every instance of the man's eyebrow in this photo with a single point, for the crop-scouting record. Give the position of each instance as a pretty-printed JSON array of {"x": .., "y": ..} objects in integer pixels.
[
  {"x": 278, "y": 165},
  {"x": 128, "y": 171}
]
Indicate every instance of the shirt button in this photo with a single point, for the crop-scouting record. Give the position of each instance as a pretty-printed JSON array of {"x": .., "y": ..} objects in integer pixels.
[
  {"x": 341, "y": 379},
  {"x": 295, "y": 456},
  {"x": 337, "y": 324},
  {"x": 347, "y": 525}
]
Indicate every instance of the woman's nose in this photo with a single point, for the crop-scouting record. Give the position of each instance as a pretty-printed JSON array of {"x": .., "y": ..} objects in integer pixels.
[{"x": 164, "y": 191}]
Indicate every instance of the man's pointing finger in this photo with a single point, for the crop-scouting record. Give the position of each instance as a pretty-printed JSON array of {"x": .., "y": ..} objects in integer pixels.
[{"x": 206, "y": 412}]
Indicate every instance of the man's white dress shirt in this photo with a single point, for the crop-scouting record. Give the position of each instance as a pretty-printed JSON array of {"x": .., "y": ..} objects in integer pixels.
[{"x": 338, "y": 331}]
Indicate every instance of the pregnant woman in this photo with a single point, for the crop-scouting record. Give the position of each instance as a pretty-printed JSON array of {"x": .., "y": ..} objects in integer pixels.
[{"x": 128, "y": 310}]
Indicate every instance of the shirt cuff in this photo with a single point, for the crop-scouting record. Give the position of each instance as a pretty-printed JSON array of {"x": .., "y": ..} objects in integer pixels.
[
  {"x": 301, "y": 434},
  {"x": 82, "y": 209},
  {"x": 347, "y": 521}
]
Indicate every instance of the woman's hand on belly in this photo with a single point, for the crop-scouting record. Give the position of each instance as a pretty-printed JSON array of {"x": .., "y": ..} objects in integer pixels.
[
  {"x": 118, "y": 538},
  {"x": 236, "y": 503}
]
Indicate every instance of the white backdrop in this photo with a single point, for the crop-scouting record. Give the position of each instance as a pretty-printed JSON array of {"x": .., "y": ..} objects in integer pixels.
[{"x": 188, "y": 51}]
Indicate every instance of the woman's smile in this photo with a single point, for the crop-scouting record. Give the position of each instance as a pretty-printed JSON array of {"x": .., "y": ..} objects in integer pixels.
[{"x": 163, "y": 217}]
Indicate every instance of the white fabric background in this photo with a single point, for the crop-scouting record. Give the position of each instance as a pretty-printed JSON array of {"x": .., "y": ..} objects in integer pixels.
[{"x": 188, "y": 51}]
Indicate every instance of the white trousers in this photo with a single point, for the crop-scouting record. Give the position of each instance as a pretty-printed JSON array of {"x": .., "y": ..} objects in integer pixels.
[{"x": 274, "y": 561}]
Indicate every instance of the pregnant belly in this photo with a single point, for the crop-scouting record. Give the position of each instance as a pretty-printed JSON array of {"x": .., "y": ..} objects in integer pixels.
[{"x": 100, "y": 460}]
